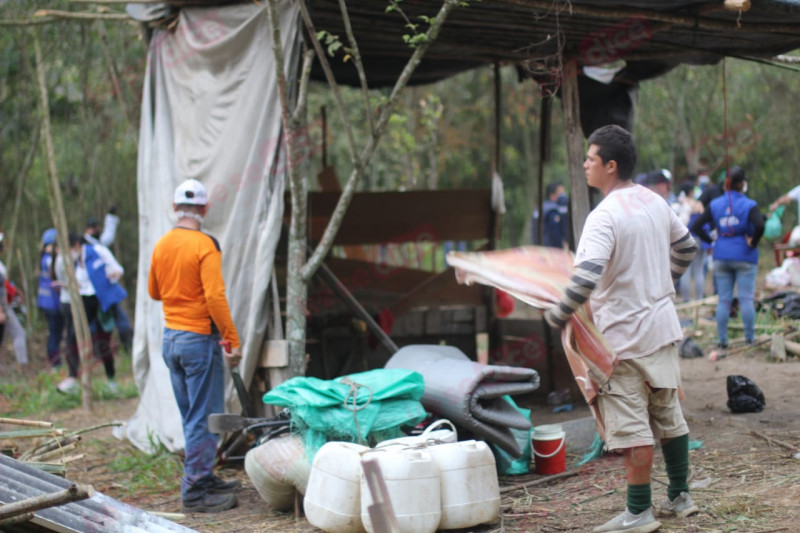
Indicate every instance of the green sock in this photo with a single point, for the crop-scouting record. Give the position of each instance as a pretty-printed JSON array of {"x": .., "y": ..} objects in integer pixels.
[
  {"x": 676, "y": 458},
  {"x": 639, "y": 498}
]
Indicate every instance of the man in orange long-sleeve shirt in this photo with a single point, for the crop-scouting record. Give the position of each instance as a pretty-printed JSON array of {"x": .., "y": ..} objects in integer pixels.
[{"x": 186, "y": 275}]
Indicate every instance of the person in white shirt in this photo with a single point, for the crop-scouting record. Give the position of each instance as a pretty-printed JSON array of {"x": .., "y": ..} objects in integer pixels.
[
  {"x": 100, "y": 322},
  {"x": 632, "y": 251},
  {"x": 106, "y": 235}
]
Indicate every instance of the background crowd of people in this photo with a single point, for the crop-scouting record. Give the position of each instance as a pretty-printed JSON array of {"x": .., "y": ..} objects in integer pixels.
[
  {"x": 98, "y": 275},
  {"x": 726, "y": 224}
]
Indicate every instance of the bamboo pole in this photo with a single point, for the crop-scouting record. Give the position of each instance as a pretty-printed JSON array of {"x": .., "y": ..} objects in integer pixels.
[
  {"x": 60, "y": 221},
  {"x": 22, "y": 422},
  {"x": 46, "y": 456},
  {"x": 49, "y": 446},
  {"x": 113, "y": 73},
  {"x": 26, "y": 165},
  {"x": 54, "y": 13},
  {"x": 71, "y": 494}
]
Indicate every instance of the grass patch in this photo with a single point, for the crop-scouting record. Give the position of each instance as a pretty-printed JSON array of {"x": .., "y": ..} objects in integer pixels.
[
  {"x": 150, "y": 473},
  {"x": 740, "y": 509},
  {"x": 37, "y": 395}
]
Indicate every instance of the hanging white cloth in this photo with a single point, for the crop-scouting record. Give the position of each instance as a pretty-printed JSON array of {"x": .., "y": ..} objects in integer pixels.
[{"x": 210, "y": 111}]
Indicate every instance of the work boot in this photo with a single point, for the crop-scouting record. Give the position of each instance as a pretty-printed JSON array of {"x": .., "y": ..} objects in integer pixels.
[
  {"x": 220, "y": 486},
  {"x": 210, "y": 503},
  {"x": 682, "y": 506},
  {"x": 627, "y": 522}
]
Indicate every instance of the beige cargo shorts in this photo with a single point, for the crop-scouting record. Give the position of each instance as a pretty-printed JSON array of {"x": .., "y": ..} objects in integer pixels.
[{"x": 640, "y": 402}]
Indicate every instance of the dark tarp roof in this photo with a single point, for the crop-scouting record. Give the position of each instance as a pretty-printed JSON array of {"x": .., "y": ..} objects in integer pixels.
[{"x": 653, "y": 36}]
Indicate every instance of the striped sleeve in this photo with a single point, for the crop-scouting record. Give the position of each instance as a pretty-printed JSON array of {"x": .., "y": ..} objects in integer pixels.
[
  {"x": 681, "y": 254},
  {"x": 581, "y": 285}
]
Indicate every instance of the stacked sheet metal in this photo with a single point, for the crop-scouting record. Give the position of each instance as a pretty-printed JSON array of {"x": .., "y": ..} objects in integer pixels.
[{"x": 470, "y": 394}]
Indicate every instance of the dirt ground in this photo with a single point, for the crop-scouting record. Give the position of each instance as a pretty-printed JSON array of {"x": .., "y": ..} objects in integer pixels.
[{"x": 745, "y": 477}]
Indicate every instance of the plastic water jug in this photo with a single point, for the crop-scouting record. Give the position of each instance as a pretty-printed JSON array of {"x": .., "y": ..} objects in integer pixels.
[
  {"x": 277, "y": 468},
  {"x": 432, "y": 435},
  {"x": 333, "y": 496},
  {"x": 412, "y": 481},
  {"x": 470, "y": 491}
]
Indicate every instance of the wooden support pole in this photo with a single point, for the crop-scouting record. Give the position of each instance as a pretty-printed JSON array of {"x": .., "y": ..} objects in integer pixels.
[
  {"x": 29, "y": 505},
  {"x": 544, "y": 156},
  {"x": 578, "y": 190},
  {"x": 60, "y": 221}
]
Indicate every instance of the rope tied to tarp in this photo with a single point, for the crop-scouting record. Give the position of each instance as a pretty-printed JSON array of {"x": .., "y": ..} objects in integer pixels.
[{"x": 355, "y": 408}]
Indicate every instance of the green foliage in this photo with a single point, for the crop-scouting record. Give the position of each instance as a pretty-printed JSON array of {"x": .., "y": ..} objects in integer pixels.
[
  {"x": 38, "y": 396},
  {"x": 94, "y": 123},
  {"x": 330, "y": 41},
  {"x": 151, "y": 473}
]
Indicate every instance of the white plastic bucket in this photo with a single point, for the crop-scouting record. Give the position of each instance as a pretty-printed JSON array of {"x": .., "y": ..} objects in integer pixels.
[
  {"x": 548, "y": 443},
  {"x": 333, "y": 497},
  {"x": 413, "y": 483},
  {"x": 470, "y": 492},
  {"x": 432, "y": 435}
]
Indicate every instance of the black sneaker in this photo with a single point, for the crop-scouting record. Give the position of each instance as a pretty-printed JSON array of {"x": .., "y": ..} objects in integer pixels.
[
  {"x": 220, "y": 486},
  {"x": 210, "y": 503}
]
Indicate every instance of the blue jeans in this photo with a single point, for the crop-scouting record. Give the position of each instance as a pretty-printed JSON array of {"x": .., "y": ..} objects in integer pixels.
[
  {"x": 694, "y": 273},
  {"x": 196, "y": 371},
  {"x": 55, "y": 327},
  {"x": 743, "y": 276}
]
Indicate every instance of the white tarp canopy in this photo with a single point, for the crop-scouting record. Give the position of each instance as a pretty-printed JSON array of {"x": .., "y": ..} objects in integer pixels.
[{"x": 210, "y": 111}]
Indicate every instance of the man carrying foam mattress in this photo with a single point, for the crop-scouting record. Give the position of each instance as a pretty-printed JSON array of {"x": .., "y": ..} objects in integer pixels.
[{"x": 632, "y": 251}]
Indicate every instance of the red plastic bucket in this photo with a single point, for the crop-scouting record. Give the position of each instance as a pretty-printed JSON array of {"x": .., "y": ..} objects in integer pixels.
[{"x": 549, "y": 451}]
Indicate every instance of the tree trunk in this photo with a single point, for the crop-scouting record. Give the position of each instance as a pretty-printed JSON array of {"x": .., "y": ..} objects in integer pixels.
[{"x": 301, "y": 270}]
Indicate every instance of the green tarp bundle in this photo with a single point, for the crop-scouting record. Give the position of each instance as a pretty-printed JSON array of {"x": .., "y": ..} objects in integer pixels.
[{"x": 366, "y": 407}]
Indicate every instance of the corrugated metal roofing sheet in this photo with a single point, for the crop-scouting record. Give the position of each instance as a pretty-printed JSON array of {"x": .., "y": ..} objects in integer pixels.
[{"x": 19, "y": 481}]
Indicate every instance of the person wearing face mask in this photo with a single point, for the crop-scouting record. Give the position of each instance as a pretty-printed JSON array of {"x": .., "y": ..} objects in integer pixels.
[
  {"x": 740, "y": 225},
  {"x": 97, "y": 273}
]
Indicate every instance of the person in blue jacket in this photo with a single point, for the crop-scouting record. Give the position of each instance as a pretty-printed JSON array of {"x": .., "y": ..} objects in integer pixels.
[
  {"x": 555, "y": 224},
  {"x": 48, "y": 299},
  {"x": 739, "y": 225}
]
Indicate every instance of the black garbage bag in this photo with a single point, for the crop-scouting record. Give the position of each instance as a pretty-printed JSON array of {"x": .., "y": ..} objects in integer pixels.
[
  {"x": 689, "y": 349},
  {"x": 744, "y": 396}
]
